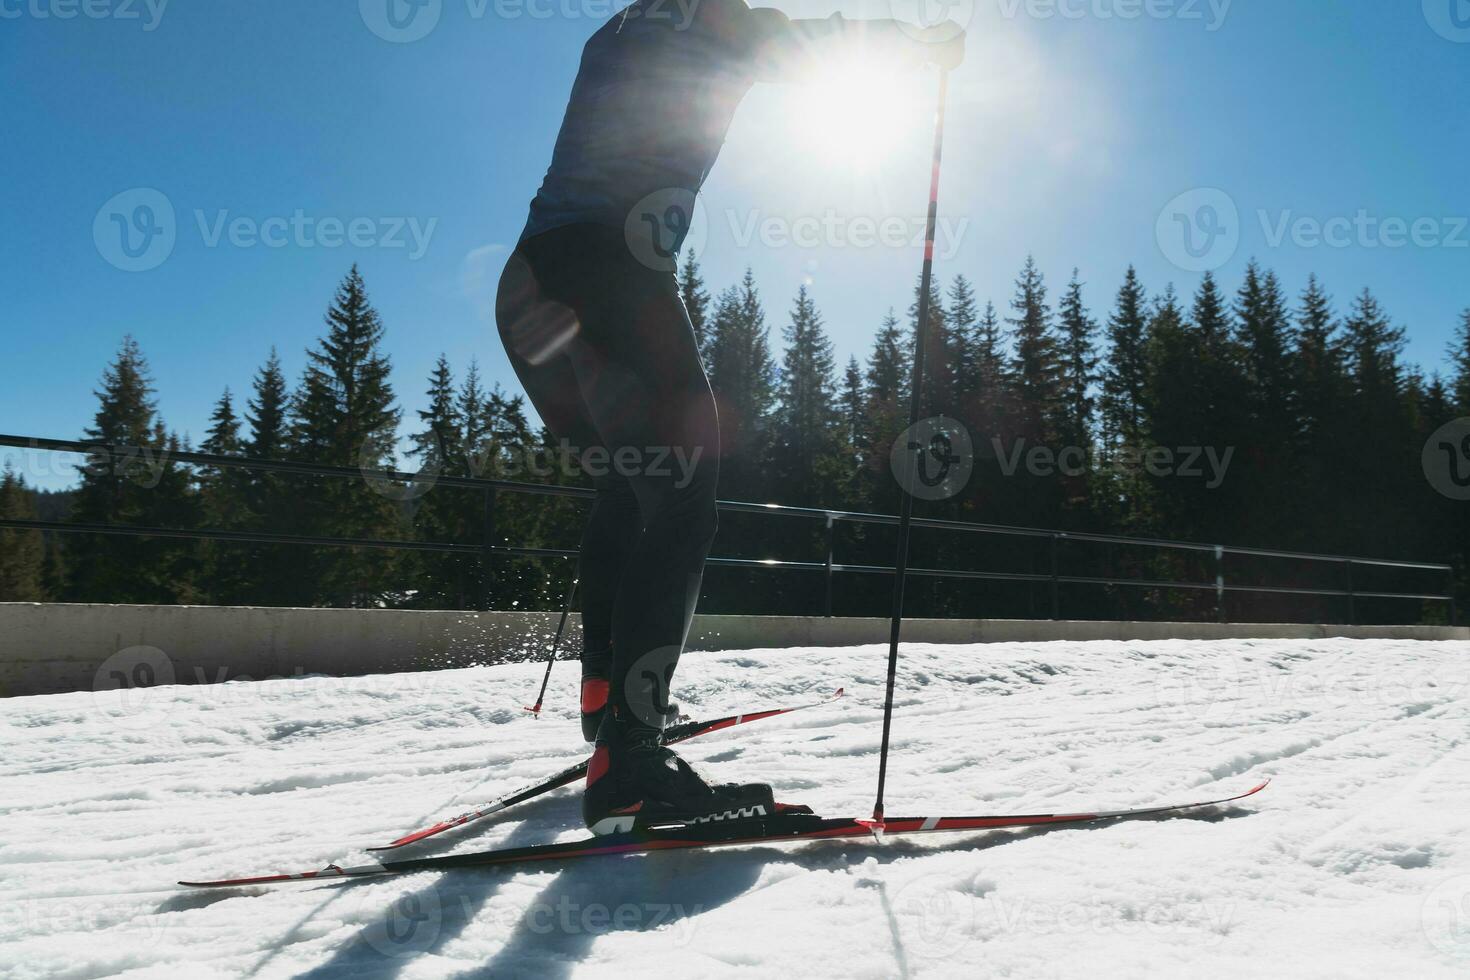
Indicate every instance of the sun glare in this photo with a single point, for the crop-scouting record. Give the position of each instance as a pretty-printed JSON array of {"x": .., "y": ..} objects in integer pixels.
[{"x": 855, "y": 114}]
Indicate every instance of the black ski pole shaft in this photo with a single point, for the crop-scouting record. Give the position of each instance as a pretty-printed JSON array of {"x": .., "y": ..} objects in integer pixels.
[
  {"x": 906, "y": 507},
  {"x": 566, "y": 608}
]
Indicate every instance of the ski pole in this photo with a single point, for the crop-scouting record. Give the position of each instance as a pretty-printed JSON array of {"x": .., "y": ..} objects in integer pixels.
[
  {"x": 906, "y": 507},
  {"x": 566, "y": 607}
]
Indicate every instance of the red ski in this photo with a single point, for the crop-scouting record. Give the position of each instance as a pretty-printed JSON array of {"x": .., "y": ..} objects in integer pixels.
[
  {"x": 783, "y": 828},
  {"x": 676, "y": 733}
]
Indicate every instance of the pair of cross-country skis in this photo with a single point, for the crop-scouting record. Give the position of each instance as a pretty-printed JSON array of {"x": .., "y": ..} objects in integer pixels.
[{"x": 789, "y": 824}]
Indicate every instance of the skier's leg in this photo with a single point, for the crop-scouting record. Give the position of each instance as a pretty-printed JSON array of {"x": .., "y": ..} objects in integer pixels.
[
  {"x": 536, "y": 329},
  {"x": 654, "y": 409},
  {"x": 626, "y": 336},
  {"x": 607, "y": 542},
  {"x": 641, "y": 379}
]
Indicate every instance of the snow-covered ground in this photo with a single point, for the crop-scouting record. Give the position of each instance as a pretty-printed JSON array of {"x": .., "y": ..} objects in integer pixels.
[{"x": 1355, "y": 863}]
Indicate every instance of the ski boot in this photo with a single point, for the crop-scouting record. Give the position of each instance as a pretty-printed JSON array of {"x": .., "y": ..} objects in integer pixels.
[{"x": 634, "y": 780}]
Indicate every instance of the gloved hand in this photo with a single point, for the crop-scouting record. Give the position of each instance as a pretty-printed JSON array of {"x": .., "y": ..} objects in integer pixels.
[{"x": 944, "y": 44}]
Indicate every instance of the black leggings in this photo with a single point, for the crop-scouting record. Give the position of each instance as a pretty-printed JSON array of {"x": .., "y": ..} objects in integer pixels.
[{"x": 604, "y": 348}]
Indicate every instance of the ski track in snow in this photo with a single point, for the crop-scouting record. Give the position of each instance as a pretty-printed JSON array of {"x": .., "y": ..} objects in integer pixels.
[{"x": 1355, "y": 863}]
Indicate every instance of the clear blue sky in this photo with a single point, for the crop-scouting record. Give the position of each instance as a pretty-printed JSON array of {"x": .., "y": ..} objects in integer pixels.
[{"x": 1072, "y": 128}]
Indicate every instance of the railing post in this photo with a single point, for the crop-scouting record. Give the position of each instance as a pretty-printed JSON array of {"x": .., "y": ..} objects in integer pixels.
[
  {"x": 1220, "y": 583},
  {"x": 487, "y": 549},
  {"x": 831, "y": 547},
  {"x": 1454, "y": 616},
  {"x": 1351, "y": 594},
  {"x": 1056, "y": 599}
]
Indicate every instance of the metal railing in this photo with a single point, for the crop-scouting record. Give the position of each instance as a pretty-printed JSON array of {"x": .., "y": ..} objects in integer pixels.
[{"x": 488, "y": 550}]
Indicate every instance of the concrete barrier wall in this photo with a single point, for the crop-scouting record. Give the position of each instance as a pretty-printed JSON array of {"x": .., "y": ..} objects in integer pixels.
[{"x": 48, "y": 648}]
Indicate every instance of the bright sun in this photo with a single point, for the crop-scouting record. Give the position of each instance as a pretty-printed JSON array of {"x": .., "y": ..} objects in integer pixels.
[{"x": 854, "y": 113}]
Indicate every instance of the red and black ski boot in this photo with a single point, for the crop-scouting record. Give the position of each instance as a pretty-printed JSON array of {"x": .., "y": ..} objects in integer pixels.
[{"x": 634, "y": 780}]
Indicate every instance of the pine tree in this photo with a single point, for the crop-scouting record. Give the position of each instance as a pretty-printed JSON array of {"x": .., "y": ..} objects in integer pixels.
[
  {"x": 1036, "y": 367},
  {"x": 437, "y": 444},
  {"x": 1079, "y": 366},
  {"x": 887, "y": 378},
  {"x": 805, "y": 419},
  {"x": 114, "y": 483},
  {"x": 1380, "y": 420},
  {"x": 939, "y": 352},
  {"x": 696, "y": 299},
  {"x": 224, "y": 504},
  {"x": 854, "y": 406},
  {"x": 1170, "y": 409},
  {"x": 1266, "y": 336},
  {"x": 515, "y": 582},
  {"x": 1459, "y": 353},
  {"x": 1219, "y": 420},
  {"x": 962, "y": 322},
  {"x": 886, "y": 384},
  {"x": 343, "y": 415},
  {"x": 1125, "y": 376},
  {"x": 271, "y": 498},
  {"x": 170, "y": 570},
  {"x": 222, "y": 438},
  {"x": 269, "y": 434},
  {"x": 991, "y": 375},
  {"x": 1323, "y": 444},
  {"x": 475, "y": 427},
  {"x": 22, "y": 553},
  {"x": 1373, "y": 345},
  {"x": 743, "y": 378},
  {"x": 1320, "y": 382},
  {"x": 436, "y": 511}
]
